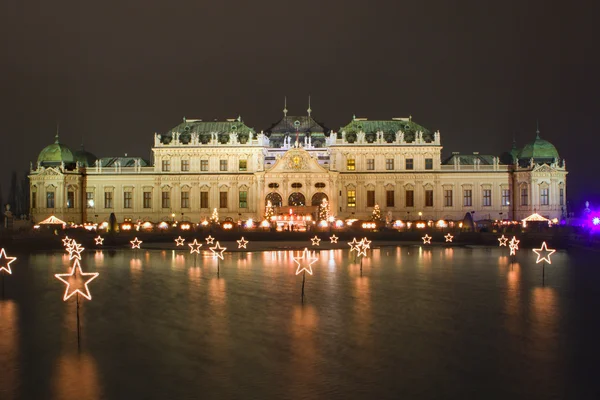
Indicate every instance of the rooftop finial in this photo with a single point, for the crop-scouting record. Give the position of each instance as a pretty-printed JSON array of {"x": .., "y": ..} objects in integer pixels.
[
  {"x": 56, "y": 137},
  {"x": 537, "y": 130},
  {"x": 285, "y": 110},
  {"x": 514, "y": 141},
  {"x": 309, "y": 109}
]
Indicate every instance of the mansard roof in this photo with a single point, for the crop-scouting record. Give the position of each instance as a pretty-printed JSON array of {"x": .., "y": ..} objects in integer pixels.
[
  {"x": 198, "y": 126},
  {"x": 303, "y": 124},
  {"x": 394, "y": 125},
  {"x": 125, "y": 161}
]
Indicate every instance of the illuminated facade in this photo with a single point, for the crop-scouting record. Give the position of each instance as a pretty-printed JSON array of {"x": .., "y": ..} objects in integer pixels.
[{"x": 199, "y": 166}]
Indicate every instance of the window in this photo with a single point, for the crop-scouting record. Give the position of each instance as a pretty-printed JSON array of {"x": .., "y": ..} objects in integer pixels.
[
  {"x": 222, "y": 165},
  {"x": 448, "y": 198},
  {"x": 370, "y": 164},
  {"x": 409, "y": 163},
  {"x": 166, "y": 200},
  {"x": 108, "y": 200},
  {"x": 351, "y": 198},
  {"x": 243, "y": 165},
  {"x": 127, "y": 199},
  {"x": 351, "y": 164},
  {"x": 429, "y": 163},
  {"x": 487, "y": 197},
  {"x": 50, "y": 200},
  {"x": 223, "y": 199},
  {"x": 147, "y": 199},
  {"x": 185, "y": 199},
  {"x": 296, "y": 185},
  {"x": 166, "y": 165},
  {"x": 467, "y": 198},
  {"x": 243, "y": 199},
  {"x": 429, "y": 198},
  {"x": 203, "y": 165},
  {"x": 185, "y": 165},
  {"x": 524, "y": 199},
  {"x": 389, "y": 164},
  {"x": 70, "y": 199},
  {"x": 410, "y": 198},
  {"x": 544, "y": 198},
  {"x": 203, "y": 199},
  {"x": 561, "y": 196},
  {"x": 34, "y": 199},
  {"x": 505, "y": 197},
  {"x": 389, "y": 198},
  {"x": 319, "y": 185},
  {"x": 370, "y": 198},
  {"x": 89, "y": 199},
  {"x": 273, "y": 185}
]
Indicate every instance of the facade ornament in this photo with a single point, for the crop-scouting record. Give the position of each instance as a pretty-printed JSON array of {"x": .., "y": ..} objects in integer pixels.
[{"x": 400, "y": 136}]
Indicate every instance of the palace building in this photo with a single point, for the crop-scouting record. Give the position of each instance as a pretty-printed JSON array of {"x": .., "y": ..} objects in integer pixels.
[{"x": 198, "y": 166}]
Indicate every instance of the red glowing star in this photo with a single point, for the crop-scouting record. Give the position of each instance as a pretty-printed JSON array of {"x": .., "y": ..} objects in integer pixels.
[
  {"x": 8, "y": 259},
  {"x": 218, "y": 251},
  {"x": 305, "y": 262},
  {"x": 77, "y": 281},
  {"x": 179, "y": 241},
  {"x": 195, "y": 247},
  {"x": 546, "y": 251},
  {"x": 135, "y": 243}
]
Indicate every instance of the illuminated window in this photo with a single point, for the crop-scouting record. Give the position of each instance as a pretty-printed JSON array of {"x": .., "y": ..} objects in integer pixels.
[
  {"x": 467, "y": 198},
  {"x": 409, "y": 163},
  {"x": 243, "y": 165},
  {"x": 89, "y": 199},
  {"x": 505, "y": 197},
  {"x": 127, "y": 196},
  {"x": 487, "y": 197},
  {"x": 185, "y": 199},
  {"x": 50, "y": 200},
  {"x": 351, "y": 164},
  {"x": 243, "y": 199},
  {"x": 147, "y": 199},
  {"x": 429, "y": 163},
  {"x": 166, "y": 200},
  {"x": 389, "y": 198},
  {"x": 222, "y": 165},
  {"x": 544, "y": 196},
  {"x": 448, "y": 198},
  {"x": 70, "y": 199},
  {"x": 223, "y": 199},
  {"x": 351, "y": 194},
  {"x": 429, "y": 198},
  {"x": 166, "y": 165},
  {"x": 410, "y": 198},
  {"x": 185, "y": 165},
  {"x": 524, "y": 196},
  {"x": 370, "y": 198},
  {"x": 389, "y": 164},
  {"x": 108, "y": 200},
  {"x": 203, "y": 199},
  {"x": 203, "y": 165},
  {"x": 370, "y": 164}
]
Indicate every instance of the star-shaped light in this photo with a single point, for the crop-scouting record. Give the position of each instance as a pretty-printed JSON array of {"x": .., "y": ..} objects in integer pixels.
[
  {"x": 195, "y": 247},
  {"x": 513, "y": 249},
  {"x": 544, "y": 253},
  {"x": 315, "y": 241},
  {"x": 354, "y": 244},
  {"x": 210, "y": 240},
  {"x": 362, "y": 248},
  {"x": 75, "y": 250},
  {"x": 8, "y": 259},
  {"x": 503, "y": 240},
  {"x": 242, "y": 243},
  {"x": 305, "y": 262},
  {"x": 514, "y": 242},
  {"x": 426, "y": 239},
  {"x": 77, "y": 281},
  {"x": 135, "y": 243},
  {"x": 366, "y": 243},
  {"x": 179, "y": 241},
  {"x": 99, "y": 240},
  {"x": 333, "y": 239},
  {"x": 218, "y": 251},
  {"x": 66, "y": 241},
  {"x": 449, "y": 237}
]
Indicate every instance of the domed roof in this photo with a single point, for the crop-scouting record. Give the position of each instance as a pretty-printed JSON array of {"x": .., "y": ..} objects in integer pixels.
[
  {"x": 84, "y": 157},
  {"x": 55, "y": 153},
  {"x": 540, "y": 149}
]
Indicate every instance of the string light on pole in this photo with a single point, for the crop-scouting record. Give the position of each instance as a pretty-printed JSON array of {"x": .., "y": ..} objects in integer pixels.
[
  {"x": 304, "y": 263},
  {"x": 217, "y": 251},
  {"x": 543, "y": 256},
  {"x": 210, "y": 240},
  {"x": 5, "y": 266},
  {"x": 334, "y": 239},
  {"x": 315, "y": 241},
  {"x": 99, "y": 240},
  {"x": 242, "y": 243},
  {"x": 426, "y": 239},
  {"x": 179, "y": 241},
  {"x": 366, "y": 243},
  {"x": 449, "y": 237},
  {"x": 503, "y": 240},
  {"x": 135, "y": 243},
  {"x": 195, "y": 248}
]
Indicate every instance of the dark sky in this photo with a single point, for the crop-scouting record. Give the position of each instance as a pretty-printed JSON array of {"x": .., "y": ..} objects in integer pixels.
[{"x": 114, "y": 72}]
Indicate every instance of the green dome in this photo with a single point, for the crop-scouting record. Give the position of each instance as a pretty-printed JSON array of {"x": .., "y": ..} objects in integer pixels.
[
  {"x": 86, "y": 158},
  {"x": 540, "y": 149},
  {"x": 55, "y": 154}
]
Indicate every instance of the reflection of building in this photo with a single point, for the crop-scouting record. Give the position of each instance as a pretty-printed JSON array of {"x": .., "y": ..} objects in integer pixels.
[{"x": 395, "y": 163}]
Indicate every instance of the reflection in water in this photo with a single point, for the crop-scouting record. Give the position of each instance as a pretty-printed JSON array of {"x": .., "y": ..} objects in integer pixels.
[
  {"x": 75, "y": 377},
  {"x": 544, "y": 309},
  {"x": 99, "y": 258},
  {"x": 303, "y": 347},
  {"x": 362, "y": 310},
  {"x": 448, "y": 253},
  {"x": 9, "y": 349},
  {"x": 135, "y": 264},
  {"x": 513, "y": 296}
]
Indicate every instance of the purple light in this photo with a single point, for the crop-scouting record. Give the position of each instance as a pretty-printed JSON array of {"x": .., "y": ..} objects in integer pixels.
[{"x": 596, "y": 221}]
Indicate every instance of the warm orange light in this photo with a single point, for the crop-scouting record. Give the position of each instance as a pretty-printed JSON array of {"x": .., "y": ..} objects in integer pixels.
[
  {"x": 426, "y": 239},
  {"x": 9, "y": 260},
  {"x": 179, "y": 241},
  {"x": 75, "y": 283},
  {"x": 210, "y": 240},
  {"x": 218, "y": 251},
  {"x": 242, "y": 243},
  {"x": 305, "y": 262},
  {"x": 135, "y": 243},
  {"x": 354, "y": 244},
  {"x": 334, "y": 239},
  {"x": 265, "y": 224},
  {"x": 126, "y": 227},
  {"x": 227, "y": 225},
  {"x": 163, "y": 225},
  {"x": 66, "y": 241},
  {"x": 195, "y": 247},
  {"x": 99, "y": 240},
  {"x": 185, "y": 226},
  {"x": 421, "y": 225},
  {"x": 546, "y": 251},
  {"x": 449, "y": 237},
  {"x": 315, "y": 241},
  {"x": 502, "y": 240},
  {"x": 74, "y": 250}
]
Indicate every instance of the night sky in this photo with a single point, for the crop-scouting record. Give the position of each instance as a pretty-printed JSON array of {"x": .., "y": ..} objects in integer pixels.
[{"x": 114, "y": 72}]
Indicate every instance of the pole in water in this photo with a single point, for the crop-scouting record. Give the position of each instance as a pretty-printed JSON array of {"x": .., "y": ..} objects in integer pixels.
[
  {"x": 361, "y": 265},
  {"x": 2, "y": 285},
  {"x": 543, "y": 274},
  {"x": 78, "y": 326},
  {"x": 218, "y": 266},
  {"x": 303, "y": 280}
]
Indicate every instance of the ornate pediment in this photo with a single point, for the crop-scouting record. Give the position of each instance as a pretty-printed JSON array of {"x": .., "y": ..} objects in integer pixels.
[
  {"x": 297, "y": 160},
  {"x": 543, "y": 168},
  {"x": 50, "y": 171}
]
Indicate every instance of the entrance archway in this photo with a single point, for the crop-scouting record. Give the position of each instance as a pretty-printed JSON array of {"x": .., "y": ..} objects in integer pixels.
[
  {"x": 275, "y": 198},
  {"x": 317, "y": 199},
  {"x": 296, "y": 199}
]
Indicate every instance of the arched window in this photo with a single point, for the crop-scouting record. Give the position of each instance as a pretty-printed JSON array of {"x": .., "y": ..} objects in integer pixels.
[
  {"x": 317, "y": 199},
  {"x": 273, "y": 185},
  {"x": 296, "y": 199},
  {"x": 275, "y": 199}
]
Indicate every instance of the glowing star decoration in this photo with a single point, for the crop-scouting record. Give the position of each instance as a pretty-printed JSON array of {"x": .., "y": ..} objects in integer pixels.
[
  {"x": 426, "y": 239},
  {"x": 305, "y": 262},
  {"x": 362, "y": 248},
  {"x": 9, "y": 260},
  {"x": 315, "y": 241},
  {"x": 513, "y": 249},
  {"x": 99, "y": 240},
  {"x": 449, "y": 237},
  {"x": 66, "y": 241},
  {"x": 514, "y": 242},
  {"x": 210, "y": 240},
  {"x": 366, "y": 243},
  {"x": 503, "y": 240},
  {"x": 77, "y": 281},
  {"x": 75, "y": 250},
  {"x": 195, "y": 247},
  {"x": 135, "y": 243},
  {"x": 354, "y": 244},
  {"x": 179, "y": 241},
  {"x": 242, "y": 243},
  {"x": 218, "y": 251},
  {"x": 334, "y": 239},
  {"x": 544, "y": 253}
]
